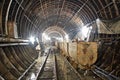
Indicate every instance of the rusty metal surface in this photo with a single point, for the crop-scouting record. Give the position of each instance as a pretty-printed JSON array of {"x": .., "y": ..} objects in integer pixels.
[
  {"x": 65, "y": 69},
  {"x": 14, "y": 60},
  {"x": 48, "y": 69},
  {"x": 2, "y": 39},
  {"x": 87, "y": 54},
  {"x": 13, "y": 44},
  {"x": 20, "y": 78},
  {"x": 67, "y": 14},
  {"x": 10, "y": 67},
  {"x": 65, "y": 48},
  {"x": 72, "y": 49},
  {"x": 83, "y": 53},
  {"x": 109, "y": 57}
]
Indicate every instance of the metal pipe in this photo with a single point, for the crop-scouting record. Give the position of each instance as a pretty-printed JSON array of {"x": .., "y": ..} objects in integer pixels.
[
  {"x": 13, "y": 40},
  {"x": 12, "y": 44}
]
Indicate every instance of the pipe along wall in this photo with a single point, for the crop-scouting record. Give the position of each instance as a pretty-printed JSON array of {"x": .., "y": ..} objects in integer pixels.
[{"x": 14, "y": 60}]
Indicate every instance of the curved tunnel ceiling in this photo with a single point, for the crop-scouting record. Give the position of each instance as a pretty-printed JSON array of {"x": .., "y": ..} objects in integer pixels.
[
  {"x": 33, "y": 17},
  {"x": 55, "y": 29},
  {"x": 54, "y": 32}
]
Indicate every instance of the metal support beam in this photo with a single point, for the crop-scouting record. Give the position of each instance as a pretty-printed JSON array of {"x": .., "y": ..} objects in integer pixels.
[
  {"x": 13, "y": 40},
  {"x": 59, "y": 12},
  {"x": 6, "y": 19},
  {"x": 12, "y": 44},
  {"x": 76, "y": 12},
  {"x": 25, "y": 15},
  {"x": 105, "y": 7}
]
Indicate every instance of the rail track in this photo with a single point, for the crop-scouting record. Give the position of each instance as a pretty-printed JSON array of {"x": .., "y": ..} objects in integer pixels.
[
  {"x": 49, "y": 68},
  {"x": 46, "y": 69},
  {"x": 54, "y": 64}
]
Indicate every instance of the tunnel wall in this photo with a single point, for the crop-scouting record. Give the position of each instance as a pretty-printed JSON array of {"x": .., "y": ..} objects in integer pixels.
[
  {"x": 14, "y": 60},
  {"x": 109, "y": 57}
]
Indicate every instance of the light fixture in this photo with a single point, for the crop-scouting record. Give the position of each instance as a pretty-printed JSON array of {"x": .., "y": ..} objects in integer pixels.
[
  {"x": 85, "y": 31},
  {"x": 32, "y": 39}
]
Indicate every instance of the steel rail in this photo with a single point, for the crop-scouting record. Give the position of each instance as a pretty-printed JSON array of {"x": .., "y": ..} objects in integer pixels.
[
  {"x": 26, "y": 70},
  {"x": 55, "y": 71},
  {"x": 41, "y": 68}
]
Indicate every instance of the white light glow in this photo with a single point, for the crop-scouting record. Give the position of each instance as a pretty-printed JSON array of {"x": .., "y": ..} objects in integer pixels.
[
  {"x": 67, "y": 38},
  {"x": 60, "y": 39},
  {"x": 32, "y": 39},
  {"x": 98, "y": 20},
  {"x": 46, "y": 37},
  {"x": 85, "y": 31},
  {"x": 44, "y": 34}
]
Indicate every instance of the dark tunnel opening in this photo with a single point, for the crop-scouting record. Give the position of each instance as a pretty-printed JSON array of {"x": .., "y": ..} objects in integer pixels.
[{"x": 79, "y": 29}]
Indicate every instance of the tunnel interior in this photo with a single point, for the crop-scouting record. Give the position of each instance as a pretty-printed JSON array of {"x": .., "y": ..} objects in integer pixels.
[{"x": 24, "y": 24}]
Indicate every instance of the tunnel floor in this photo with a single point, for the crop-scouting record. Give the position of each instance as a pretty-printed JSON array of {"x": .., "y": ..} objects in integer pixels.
[{"x": 53, "y": 66}]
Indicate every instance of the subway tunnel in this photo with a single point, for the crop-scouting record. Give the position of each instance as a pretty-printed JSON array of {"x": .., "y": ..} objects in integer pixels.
[{"x": 76, "y": 29}]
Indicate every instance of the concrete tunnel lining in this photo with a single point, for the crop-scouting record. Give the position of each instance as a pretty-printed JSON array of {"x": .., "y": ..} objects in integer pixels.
[{"x": 20, "y": 19}]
